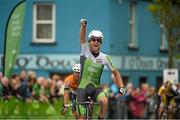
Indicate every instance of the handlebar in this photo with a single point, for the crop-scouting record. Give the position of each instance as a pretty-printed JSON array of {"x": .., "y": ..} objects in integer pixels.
[{"x": 84, "y": 103}]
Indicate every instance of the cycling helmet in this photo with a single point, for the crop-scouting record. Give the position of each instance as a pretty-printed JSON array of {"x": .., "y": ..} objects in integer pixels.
[
  {"x": 95, "y": 34},
  {"x": 76, "y": 68},
  {"x": 168, "y": 83}
]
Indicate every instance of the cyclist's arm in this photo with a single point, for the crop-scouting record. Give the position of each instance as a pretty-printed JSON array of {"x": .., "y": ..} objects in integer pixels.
[
  {"x": 118, "y": 78},
  {"x": 161, "y": 91},
  {"x": 175, "y": 90},
  {"x": 66, "y": 90},
  {"x": 66, "y": 95},
  {"x": 83, "y": 31},
  {"x": 115, "y": 72}
]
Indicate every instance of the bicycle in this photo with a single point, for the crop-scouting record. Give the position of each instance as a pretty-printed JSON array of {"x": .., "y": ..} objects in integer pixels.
[
  {"x": 165, "y": 113},
  {"x": 88, "y": 107},
  {"x": 177, "y": 108}
]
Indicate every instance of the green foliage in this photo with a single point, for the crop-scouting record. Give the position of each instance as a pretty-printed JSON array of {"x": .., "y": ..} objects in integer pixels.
[
  {"x": 178, "y": 56},
  {"x": 167, "y": 13}
]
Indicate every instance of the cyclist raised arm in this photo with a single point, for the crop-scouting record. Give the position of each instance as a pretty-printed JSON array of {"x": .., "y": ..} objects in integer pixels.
[
  {"x": 83, "y": 31},
  {"x": 92, "y": 62}
]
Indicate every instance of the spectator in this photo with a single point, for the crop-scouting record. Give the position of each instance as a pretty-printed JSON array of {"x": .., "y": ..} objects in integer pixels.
[
  {"x": 60, "y": 88},
  {"x": 113, "y": 99},
  {"x": 31, "y": 80},
  {"x": 45, "y": 92},
  {"x": 1, "y": 88},
  {"x": 113, "y": 87},
  {"x": 144, "y": 91},
  {"x": 53, "y": 86},
  {"x": 7, "y": 90},
  {"x": 15, "y": 84},
  {"x": 138, "y": 102},
  {"x": 37, "y": 88},
  {"x": 24, "y": 90},
  {"x": 151, "y": 103},
  {"x": 130, "y": 88}
]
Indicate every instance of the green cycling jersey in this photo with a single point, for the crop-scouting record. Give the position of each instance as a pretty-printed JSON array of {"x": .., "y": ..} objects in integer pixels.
[{"x": 92, "y": 67}]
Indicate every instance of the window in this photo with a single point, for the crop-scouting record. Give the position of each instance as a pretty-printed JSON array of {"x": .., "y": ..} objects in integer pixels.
[
  {"x": 132, "y": 22},
  {"x": 164, "y": 41},
  {"x": 43, "y": 23}
]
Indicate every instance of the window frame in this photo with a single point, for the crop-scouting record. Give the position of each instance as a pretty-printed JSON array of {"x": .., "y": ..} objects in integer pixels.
[
  {"x": 163, "y": 42},
  {"x": 36, "y": 22},
  {"x": 133, "y": 43}
]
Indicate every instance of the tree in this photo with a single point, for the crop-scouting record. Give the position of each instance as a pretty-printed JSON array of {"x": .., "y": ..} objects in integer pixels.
[{"x": 167, "y": 13}]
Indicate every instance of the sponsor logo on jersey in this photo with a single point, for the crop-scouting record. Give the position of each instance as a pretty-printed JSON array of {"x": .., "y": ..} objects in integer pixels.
[
  {"x": 99, "y": 61},
  {"x": 92, "y": 69}
]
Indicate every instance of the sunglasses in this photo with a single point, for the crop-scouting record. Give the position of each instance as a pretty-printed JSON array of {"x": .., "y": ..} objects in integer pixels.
[
  {"x": 76, "y": 72},
  {"x": 96, "y": 40}
]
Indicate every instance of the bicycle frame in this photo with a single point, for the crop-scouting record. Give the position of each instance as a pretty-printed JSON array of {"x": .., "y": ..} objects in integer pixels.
[
  {"x": 88, "y": 106},
  {"x": 165, "y": 113}
]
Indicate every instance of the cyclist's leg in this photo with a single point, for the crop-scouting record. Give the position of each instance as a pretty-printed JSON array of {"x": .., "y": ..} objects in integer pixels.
[
  {"x": 162, "y": 106},
  {"x": 172, "y": 105},
  {"x": 161, "y": 110},
  {"x": 74, "y": 110},
  {"x": 102, "y": 97},
  {"x": 81, "y": 97}
]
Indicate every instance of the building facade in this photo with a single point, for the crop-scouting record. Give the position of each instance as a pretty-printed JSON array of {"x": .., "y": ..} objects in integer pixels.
[{"x": 50, "y": 42}]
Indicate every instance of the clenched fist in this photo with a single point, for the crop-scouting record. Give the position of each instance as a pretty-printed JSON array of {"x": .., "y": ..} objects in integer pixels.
[{"x": 83, "y": 21}]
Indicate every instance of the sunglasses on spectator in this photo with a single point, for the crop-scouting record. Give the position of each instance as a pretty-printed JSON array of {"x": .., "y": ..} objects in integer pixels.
[{"x": 99, "y": 40}]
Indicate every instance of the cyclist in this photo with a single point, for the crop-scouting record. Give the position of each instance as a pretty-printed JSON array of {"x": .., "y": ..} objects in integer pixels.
[
  {"x": 92, "y": 63},
  {"x": 71, "y": 87},
  {"x": 166, "y": 94}
]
